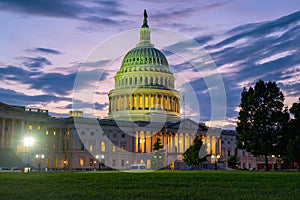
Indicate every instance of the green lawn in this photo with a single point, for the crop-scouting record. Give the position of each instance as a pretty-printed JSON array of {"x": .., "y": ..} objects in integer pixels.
[{"x": 153, "y": 185}]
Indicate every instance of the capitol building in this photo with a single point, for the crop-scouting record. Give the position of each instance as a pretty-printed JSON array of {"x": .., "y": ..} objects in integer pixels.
[{"x": 143, "y": 106}]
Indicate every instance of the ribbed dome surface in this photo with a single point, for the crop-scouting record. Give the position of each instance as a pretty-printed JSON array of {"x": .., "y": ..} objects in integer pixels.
[{"x": 144, "y": 55}]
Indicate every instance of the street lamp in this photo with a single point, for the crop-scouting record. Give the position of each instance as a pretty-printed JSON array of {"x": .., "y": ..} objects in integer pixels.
[
  {"x": 216, "y": 158},
  {"x": 100, "y": 158},
  {"x": 39, "y": 157},
  {"x": 65, "y": 164},
  {"x": 28, "y": 141}
]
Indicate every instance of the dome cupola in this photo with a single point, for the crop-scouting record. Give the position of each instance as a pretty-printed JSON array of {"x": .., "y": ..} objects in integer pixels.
[{"x": 144, "y": 84}]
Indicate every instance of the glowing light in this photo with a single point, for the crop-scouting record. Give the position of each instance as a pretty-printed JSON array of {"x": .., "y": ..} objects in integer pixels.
[{"x": 28, "y": 141}]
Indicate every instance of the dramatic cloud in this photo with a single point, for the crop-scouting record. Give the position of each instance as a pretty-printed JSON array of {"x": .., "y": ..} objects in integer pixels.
[
  {"x": 16, "y": 98},
  {"x": 45, "y": 50},
  {"x": 268, "y": 51},
  {"x": 94, "y": 11},
  {"x": 34, "y": 63}
]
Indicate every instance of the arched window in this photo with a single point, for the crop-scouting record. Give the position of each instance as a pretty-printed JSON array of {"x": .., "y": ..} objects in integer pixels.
[
  {"x": 103, "y": 146},
  {"x": 146, "y": 80}
]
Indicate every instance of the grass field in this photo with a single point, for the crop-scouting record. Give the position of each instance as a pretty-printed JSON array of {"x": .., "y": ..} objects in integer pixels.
[{"x": 153, "y": 185}]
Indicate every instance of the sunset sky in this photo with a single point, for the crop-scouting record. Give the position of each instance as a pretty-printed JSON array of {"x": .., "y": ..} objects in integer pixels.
[{"x": 43, "y": 44}]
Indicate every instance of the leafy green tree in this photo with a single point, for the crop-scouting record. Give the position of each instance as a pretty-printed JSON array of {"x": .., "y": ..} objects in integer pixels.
[
  {"x": 262, "y": 120},
  {"x": 157, "y": 145},
  {"x": 233, "y": 161},
  {"x": 292, "y": 138},
  {"x": 191, "y": 155},
  {"x": 158, "y": 155}
]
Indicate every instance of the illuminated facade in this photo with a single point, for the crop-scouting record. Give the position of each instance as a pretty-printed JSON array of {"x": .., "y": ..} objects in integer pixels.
[{"x": 143, "y": 106}]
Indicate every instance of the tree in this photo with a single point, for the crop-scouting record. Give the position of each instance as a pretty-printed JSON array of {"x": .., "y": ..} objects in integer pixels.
[
  {"x": 157, "y": 145},
  {"x": 158, "y": 156},
  {"x": 262, "y": 120},
  {"x": 233, "y": 161},
  {"x": 292, "y": 138},
  {"x": 191, "y": 155}
]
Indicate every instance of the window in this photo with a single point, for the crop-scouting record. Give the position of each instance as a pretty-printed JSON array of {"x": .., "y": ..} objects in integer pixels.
[
  {"x": 48, "y": 163},
  {"x": 228, "y": 153},
  {"x": 114, "y": 148},
  {"x": 81, "y": 146},
  {"x": 123, "y": 147},
  {"x": 228, "y": 142},
  {"x": 123, "y": 135},
  {"x": 114, "y": 162},
  {"x": 81, "y": 161},
  {"x": 92, "y": 133},
  {"x": 103, "y": 146},
  {"x": 91, "y": 147},
  {"x": 30, "y": 127},
  {"x": 122, "y": 163},
  {"x": 39, "y": 128},
  {"x": 91, "y": 162},
  {"x": 47, "y": 132},
  {"x": 223, "y": 153},
  {"x": 54, "y": 133}
]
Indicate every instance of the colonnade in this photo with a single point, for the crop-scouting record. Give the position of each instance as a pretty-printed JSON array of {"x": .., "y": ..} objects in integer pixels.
[
  {"x": 132, "y": 80},
  {"x": 174, "y": 142},
  {"x": 144, "y": 102}
]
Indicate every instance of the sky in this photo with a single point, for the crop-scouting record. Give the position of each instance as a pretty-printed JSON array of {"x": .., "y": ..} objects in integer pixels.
[{"x": 44, "y": 44}]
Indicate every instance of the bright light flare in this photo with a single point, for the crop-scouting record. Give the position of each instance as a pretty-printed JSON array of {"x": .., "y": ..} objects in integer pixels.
[{"x": 28, "y": 141}]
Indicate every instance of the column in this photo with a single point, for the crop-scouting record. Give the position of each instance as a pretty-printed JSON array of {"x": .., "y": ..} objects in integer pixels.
[
  {"x": 174, "y": 105},
  {"x": 210, "y": 146},
  {"x": 118, "y": 103},
  {"x": 155, "y": 101},
  {"x": 112, "y": 108},
  {"x": 137, "y": 101},
  {"x": 184, "y": 148},
  {"x": 109, "y": 105},
  {"x": 124, "y": 102},
  {"x": 178, "y": 145},
  {"x": 60, "y": 140},
  {"x": 145, "y": 141},
  {"x": 149, "y": 101},
  {"x": 143, "y": 102},
  {"x": 220, "y": 146},
  {"x": 173, "y": 143},
  {"x": 131, "y": 101},
  {"x": 139, "y": 142},
  {"x": 3, "y": 133},
  {"x": 151, "y": 142},
  {"x": 12, "y": 136},
  {"x": 162, "y": 102}
]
